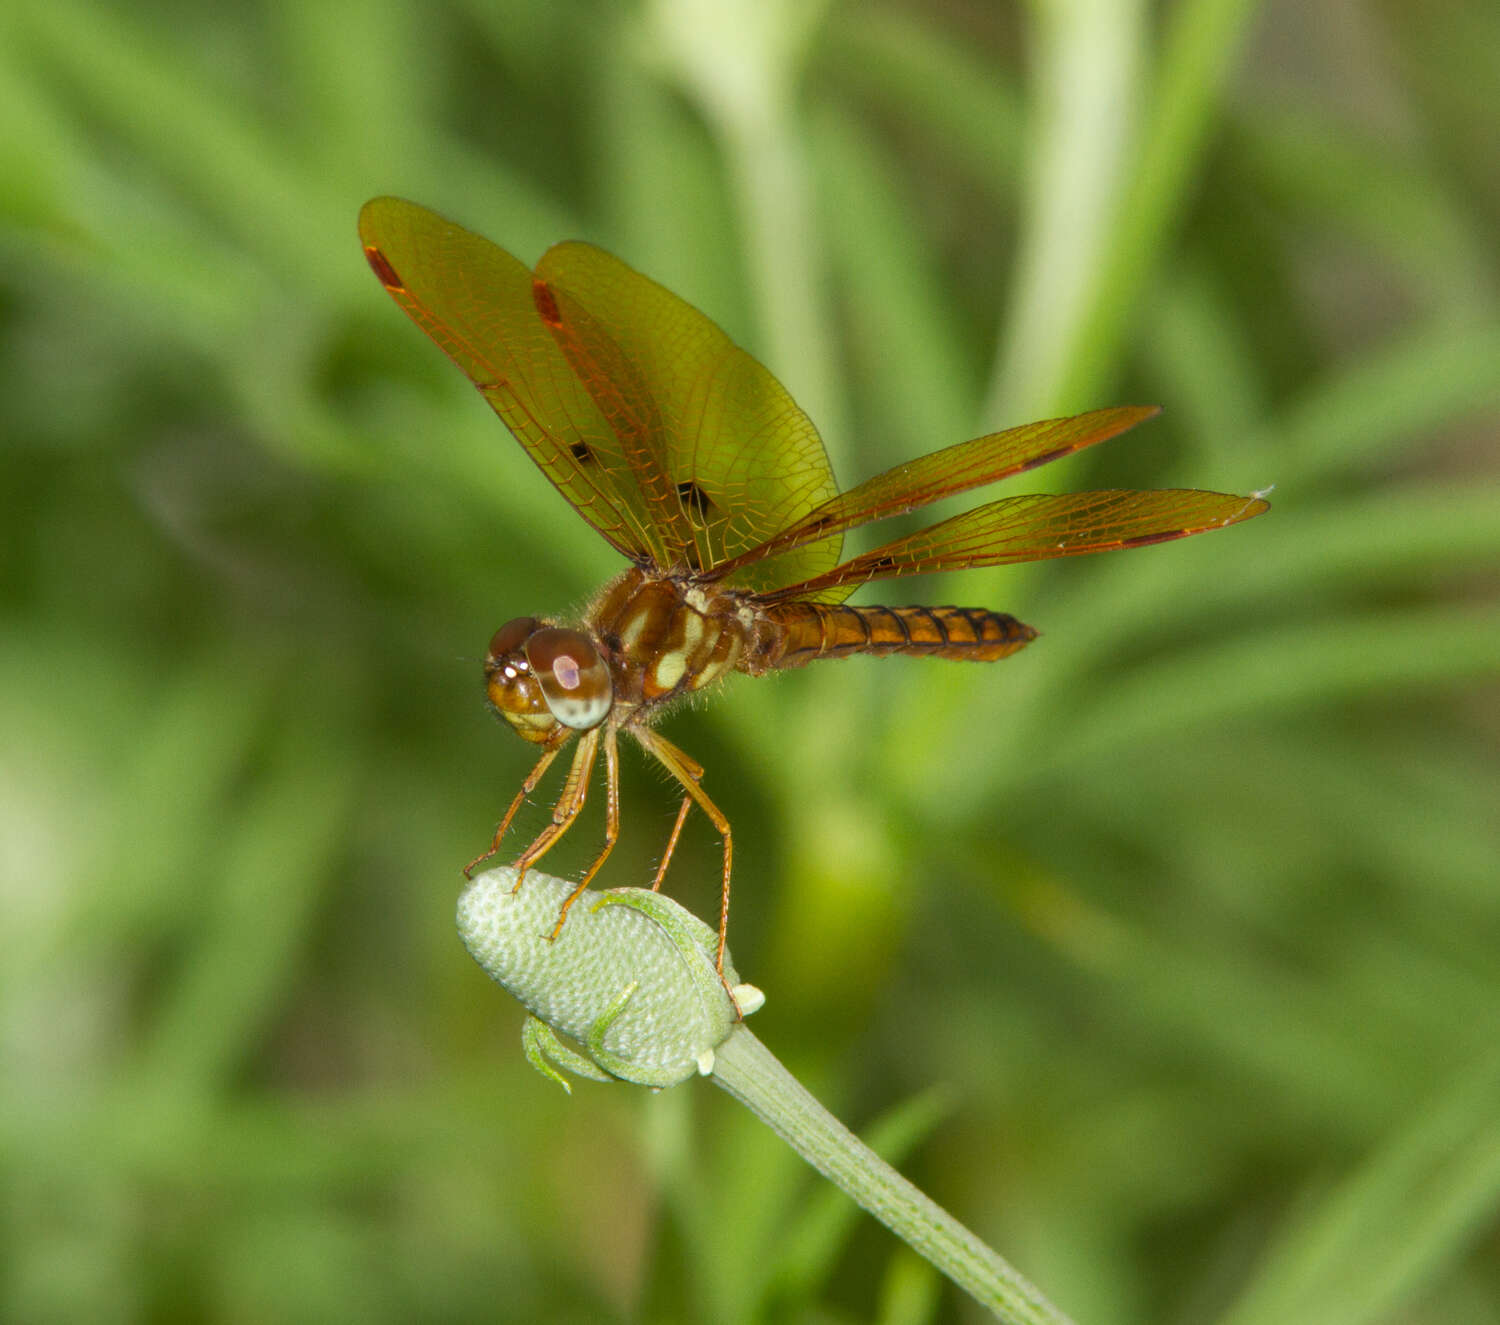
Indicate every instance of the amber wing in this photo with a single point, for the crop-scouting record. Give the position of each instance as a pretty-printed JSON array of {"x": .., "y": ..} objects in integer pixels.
[
  {"x": 731, "y": 460},
  {"x": 686, "y": 454},
  {"x": 477, "y": 303},
  {"x": 1014, "y": 529},
  {"x": 945, "y": 473},
  {"x": 669, "y": 439},
  {"x": 1033, "y": 527}
]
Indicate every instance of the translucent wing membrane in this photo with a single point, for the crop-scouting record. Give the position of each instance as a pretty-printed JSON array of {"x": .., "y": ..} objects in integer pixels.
[
  {"x": 688, "y": 456},
  {"x": 628, "y": 407},
  {"x": 670, "y": 440},
  {"x": 1033, "y": 528},
  {"x": 732, "y": 460},
  {"x": 477, "y": 303},
  {"x": 917, "y": 483}
]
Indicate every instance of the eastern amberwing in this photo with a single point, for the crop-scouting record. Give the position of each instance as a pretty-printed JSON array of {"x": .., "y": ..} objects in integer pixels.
[{"x": 694, "y": 463}]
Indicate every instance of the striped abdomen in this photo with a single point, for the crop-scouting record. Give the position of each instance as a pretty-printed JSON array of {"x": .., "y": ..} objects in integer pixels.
[{"x": 803, "y": 632}]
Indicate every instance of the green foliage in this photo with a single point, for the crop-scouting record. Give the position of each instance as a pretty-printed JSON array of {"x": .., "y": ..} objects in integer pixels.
[{"x": 1192, "y": 908}]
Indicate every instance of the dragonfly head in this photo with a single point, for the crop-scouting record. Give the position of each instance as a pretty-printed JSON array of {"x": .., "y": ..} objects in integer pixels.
[{"x": 546, "y": 681}]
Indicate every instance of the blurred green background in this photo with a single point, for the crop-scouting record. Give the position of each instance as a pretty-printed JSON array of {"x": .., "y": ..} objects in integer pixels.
[{"x": 1164, "y": 954}]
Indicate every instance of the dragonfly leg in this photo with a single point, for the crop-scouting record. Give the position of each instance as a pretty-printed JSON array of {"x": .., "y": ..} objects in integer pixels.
[
  {"x": 569, "y": 803},
  {"x": 690, "y": 773},
  {"x": 527, "y": 787},
  {"x": 666, "y": 856},
  {"x": 611, "y": 822}
]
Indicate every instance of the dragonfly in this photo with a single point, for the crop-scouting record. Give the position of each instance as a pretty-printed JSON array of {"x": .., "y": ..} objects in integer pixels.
[{"x": 694, "y": 463}]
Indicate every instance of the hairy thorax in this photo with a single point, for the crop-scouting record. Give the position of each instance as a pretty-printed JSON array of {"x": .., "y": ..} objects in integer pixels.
[{"x": 665, "y": 638}]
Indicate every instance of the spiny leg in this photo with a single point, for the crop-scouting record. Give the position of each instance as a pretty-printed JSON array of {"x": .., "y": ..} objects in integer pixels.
[
  {"x": 689, "y": 772},
  {"x": 575, "y": 791},
  {"x": 611, "y": 823},
  {"x": 666, "y": 856},
  {"x": 694, "y": 770},
  {"x": 527, "y": 788}
]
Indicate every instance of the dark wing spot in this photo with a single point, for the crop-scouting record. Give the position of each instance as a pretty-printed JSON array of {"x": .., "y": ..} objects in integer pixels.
[
  {"x": 581, "y": 452},
  {"x": 881, "y": 565},
  {"x": 381, "y": 266},
  {"x": 694, "y": 498},
  {"x": 546, "y": 303},
  {"x": 1145, "y": 540},
  {"x": 1048, "y": 457}
]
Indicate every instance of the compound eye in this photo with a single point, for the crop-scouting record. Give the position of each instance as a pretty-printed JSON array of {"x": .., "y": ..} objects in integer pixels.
[
  {"x": 511, "y": 636},
  {"x": 574, "y": 678}
]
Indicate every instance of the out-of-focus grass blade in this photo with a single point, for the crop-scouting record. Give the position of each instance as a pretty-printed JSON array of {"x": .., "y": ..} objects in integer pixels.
[
  {"x": 1285, "y": 1034},
  {"x": 1394, "y": 536},
  {"x": 39, "y": 150},
  {"x": 909, "y": 1291},
  {"x": 755, "y": 120},
  {"x": 737, "y": 1165},
  {"x": 1377, "y": 1240},
  {"x": 1366, "y": 414},
  {"x": 181, "y": 768},
  {"x": 261, "y": 894},
  {"x": 664, "y": 196},
  {"x": 361, "y": 112},
  {"x": 1385, "y": 653},
  {"x": 1211, "y": 383},
  {"x": 1309, "y": 168},
  {"x": 1448, "y": 57},
  {"x": 961, "y": 107},
  {"x": 198, "y": 136},
  {"x": 908, "y": 351},
  {"x": 1087, "y": 87},
  {"x": 1202, "y": 42},
  {"x": 1376, "y": 786}
]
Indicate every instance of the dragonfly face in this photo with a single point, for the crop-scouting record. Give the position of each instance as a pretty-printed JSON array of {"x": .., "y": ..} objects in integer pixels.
[
  {"x": 692, "y": 461},
  {"x": 547, "y": 681}
]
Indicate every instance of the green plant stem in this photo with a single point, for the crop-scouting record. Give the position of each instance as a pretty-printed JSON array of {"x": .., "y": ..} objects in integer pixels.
[
  {"x": 753, "y": 1075},
  {"x": 630, "y": 979},
  {"x": 1190, "y": 75},
  {"x": 752, "y": 113},
  {"x": 1085, "y": 83}
]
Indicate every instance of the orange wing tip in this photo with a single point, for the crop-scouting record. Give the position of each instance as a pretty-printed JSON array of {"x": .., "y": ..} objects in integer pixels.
[{"x": 1255, "y": 504}]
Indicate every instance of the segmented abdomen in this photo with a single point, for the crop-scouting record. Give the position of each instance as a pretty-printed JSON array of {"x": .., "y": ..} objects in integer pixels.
[{"x": 807, "y": 631}]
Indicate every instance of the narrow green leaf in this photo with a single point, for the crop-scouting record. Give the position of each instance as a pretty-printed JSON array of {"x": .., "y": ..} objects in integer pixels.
[{"x": 1378, "y": 1240}]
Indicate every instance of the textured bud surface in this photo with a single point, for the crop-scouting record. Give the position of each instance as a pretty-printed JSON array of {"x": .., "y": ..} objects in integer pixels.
[{"x": 630, "y": 978}]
